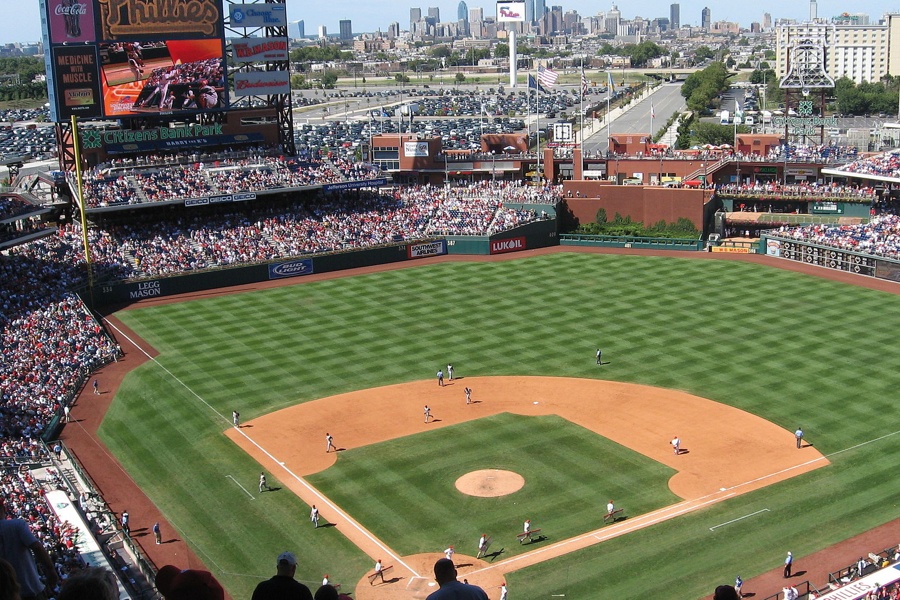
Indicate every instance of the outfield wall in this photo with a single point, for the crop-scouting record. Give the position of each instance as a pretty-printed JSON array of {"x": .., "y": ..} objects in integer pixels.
[
  {"x": 831, "y": 258},
  {"x": 538, "y": 234},
  {"x": 132, "y": 291}
]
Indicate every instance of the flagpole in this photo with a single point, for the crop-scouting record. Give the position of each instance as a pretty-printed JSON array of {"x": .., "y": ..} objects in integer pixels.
[
  {"x": 610, "y": 87},
  {"x": 581, "y": 83},
  {"x": 537, "y": 125}
]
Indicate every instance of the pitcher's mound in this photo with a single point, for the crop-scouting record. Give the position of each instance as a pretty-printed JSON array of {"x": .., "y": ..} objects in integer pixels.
[{"x": 490, "y": 483}]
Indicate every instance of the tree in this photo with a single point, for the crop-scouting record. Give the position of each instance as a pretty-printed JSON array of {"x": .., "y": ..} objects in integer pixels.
[
  {"x": 460, "y": 78},
  {"x": 607, "y": 49},
  {"x": 298, "y": 81},
  {"x": 441, "y": 51},
  {"x": 401, "y": 78},
  {"x": 712, "y": 133},
  {"x": 328, "y": 79},
  {"x": 703, "y": 53},
  {"x": 501, "y": 51}
]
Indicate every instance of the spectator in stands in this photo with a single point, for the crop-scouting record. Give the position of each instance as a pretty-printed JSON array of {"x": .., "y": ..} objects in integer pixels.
[
  {"x": 725, "y": 592},
  {"x": 190, "y": 584},
  {"x": 283, "y": 586},
  {"x": 450, "y": 588},
  {"x": 23, "y": 551},
  {"x": 9, "y": 585},
  {"x": 93, "y": 583}
]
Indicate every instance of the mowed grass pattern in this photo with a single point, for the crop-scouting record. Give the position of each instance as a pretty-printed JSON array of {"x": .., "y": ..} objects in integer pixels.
[
  {"x": 569, "y": 472},
  {"x": 791, "y": 348}
]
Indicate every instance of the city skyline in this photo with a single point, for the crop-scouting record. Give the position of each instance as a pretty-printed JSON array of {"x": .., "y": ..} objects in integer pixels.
[{"x": 370, "y": 17}]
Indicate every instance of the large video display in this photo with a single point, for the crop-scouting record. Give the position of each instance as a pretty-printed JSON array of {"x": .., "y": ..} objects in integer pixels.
[{"x": 120, "y": 58}]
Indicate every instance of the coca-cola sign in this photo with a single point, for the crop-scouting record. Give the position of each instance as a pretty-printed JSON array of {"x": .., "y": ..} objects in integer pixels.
[{"x": 70, "y": 21}]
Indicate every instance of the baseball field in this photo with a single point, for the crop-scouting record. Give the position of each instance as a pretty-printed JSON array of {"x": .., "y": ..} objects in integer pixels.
[{"x": 735, "y": 355}]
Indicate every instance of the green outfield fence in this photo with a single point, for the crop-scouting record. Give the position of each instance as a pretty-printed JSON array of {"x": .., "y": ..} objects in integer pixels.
[{"x": 642, "y": 243}]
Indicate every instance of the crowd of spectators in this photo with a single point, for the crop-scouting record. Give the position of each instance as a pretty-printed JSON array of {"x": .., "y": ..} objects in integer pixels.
[
  {"x": 880, "y": 237},
  {"x": 108, "y": 186},
  {"x": 806, "y": 191},
  {"x": 23, "y": 497},
  {"x": 271, "y": 231},
  {"x": 881, "y": 165},
  {"x": 12, "y": 206}
]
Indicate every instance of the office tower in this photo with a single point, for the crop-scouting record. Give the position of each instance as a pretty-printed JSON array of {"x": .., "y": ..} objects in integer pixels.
[
  {"x": 813, "y": 10},
  {"x": 435, "y": 13},
  {"x": 705, "y": 19},
  {"x": 540, "y": 9},
  {"x": 346, "y": 29},
  {"x": 415, "y": 15},
  {"x": 323, "y": 32},
  {"x": 462, "y": 11},
  {"x": 297, "y": 30},
  {"x": 767, "y": 21},
  {"x": 612, "y": 20},
  {"x": 393, "y": 30},
  {"x": 675, "y": 16}
]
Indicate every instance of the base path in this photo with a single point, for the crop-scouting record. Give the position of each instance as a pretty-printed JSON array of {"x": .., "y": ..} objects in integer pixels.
[{"x": 741, "y": 453}]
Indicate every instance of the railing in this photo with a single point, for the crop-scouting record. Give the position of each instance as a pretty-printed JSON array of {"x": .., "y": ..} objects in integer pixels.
[
  {"x": 803, "y": 589},
  {"x": 802, "y": 219},
  {"x": 640, "y": 242}
]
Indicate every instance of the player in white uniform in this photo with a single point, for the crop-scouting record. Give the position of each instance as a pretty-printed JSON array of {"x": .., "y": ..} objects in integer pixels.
[{"x": 449, "y": 553}]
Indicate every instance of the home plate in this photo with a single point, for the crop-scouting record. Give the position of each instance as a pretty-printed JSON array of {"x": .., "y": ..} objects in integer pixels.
[{"x": 535, "y": 402}]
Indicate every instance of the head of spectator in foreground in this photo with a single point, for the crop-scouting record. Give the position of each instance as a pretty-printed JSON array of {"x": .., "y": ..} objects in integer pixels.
[
  {"x": 444, "y": 571},
  {"x": 286, "y": 565},
  {"x": 9, "y": 584},
  {"x": 93, "y": 583},
  {"x": 326, "y": 592},
  {"x": 190, "y": 584},
  {"x": 725, "y": 592}
]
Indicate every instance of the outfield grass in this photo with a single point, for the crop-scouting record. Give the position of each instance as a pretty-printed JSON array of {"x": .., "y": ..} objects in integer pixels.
[
  {"x": 791, "y": 348},
  {"x": 403, "y": 490}
]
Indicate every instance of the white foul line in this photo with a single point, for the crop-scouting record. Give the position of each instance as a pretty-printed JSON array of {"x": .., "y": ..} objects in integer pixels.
[
  {"x": 240, "y": 486},
  {"x": 300, "y": 480},
  {"x": 738, "y": 519}
]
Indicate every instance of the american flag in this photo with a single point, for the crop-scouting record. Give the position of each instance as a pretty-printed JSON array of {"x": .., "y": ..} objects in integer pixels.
[
  {"x": 547, "y": 77},
  {"x": 584, "y": 84}
]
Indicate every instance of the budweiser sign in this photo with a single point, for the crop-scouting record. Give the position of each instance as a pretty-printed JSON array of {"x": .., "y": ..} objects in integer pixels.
[{"x": 262, "y": 83}]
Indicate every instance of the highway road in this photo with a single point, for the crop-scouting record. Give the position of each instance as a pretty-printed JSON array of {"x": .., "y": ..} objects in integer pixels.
[{"x": 665, "y": 101}]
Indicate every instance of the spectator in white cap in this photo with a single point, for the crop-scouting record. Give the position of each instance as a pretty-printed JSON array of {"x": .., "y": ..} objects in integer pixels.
[{"x": 283, "y": 586}]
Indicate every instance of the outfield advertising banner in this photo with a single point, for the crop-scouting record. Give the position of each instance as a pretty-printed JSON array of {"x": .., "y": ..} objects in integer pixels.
[
  {"x": 259, "y": 49},
  {"x": 294, "y": 268},
  {"x": 511, "y": 245},
  {"x": 354, "y": 185},
  {"x": 437, "y": 248},
  {"x": 415, "y": 149}
]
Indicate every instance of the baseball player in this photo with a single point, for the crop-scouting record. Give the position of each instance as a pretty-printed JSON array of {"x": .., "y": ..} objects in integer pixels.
[
  {"x": 482, "y": 545},
  {"x": 262, "y": 483},
  {"x": 599, "y": 354},
  {"x": 526, "y": 529},
  {"x": 379, "y": 572},
  {"x": 503, "y": 591},
  {"x": 314, "y": 515},
  {"x": 676, "y": 445},
  {"x": 329, "y": 443},
  {"x": 610, "y": 508},
  {"x": 450, "y": 372},
  {"x": 799, "y": 436},
  {"x": 427, "y": 413},
  {"x": 440, "y": 378},
  {"x": 236, "y": 418},
  {"x": 449, "y": 552},
  {"x": 468, "y": 395}
]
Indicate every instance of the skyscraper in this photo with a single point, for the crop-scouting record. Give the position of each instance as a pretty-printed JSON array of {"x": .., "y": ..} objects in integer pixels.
[
  {"x": 529, "y": 11},
  {"x": 705, "y": 19},
  {"x": 813, "y": 10},
  {"x": 435, "y": 13},
  {"x": 462, "y": 11},
  {"x": 540, "y": 9},
  {"x": 675, "y": 16},
  {"x": 613, "y": 16},
  {"x": 346, "y": 29},
  {"x": 297, "y": 30},
  {"x": 415, "y": 15}
]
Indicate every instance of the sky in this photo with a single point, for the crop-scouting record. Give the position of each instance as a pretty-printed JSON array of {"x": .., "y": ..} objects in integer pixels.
[{"x": 23, "y": 24}]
